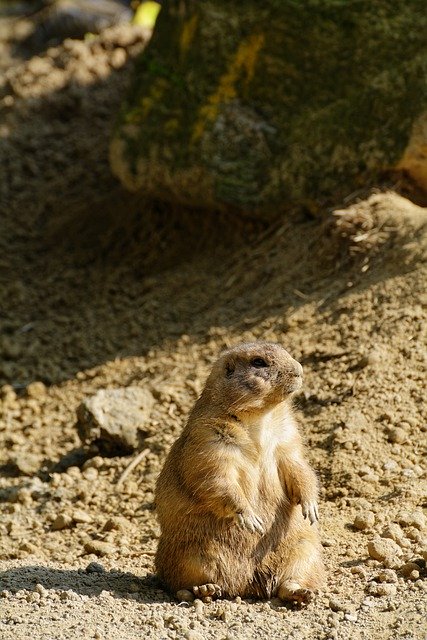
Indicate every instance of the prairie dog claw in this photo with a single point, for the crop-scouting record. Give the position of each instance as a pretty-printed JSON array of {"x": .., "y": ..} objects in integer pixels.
[
  {"x": 310, "y": 510},
  {"x": 207, "y": 591},
  {"x": 293, "y": 592},
  {"x": 250, "y": 521}
]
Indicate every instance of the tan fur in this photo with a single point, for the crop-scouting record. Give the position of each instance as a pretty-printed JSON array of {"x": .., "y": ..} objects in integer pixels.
[{"x": 236, "y": 499}]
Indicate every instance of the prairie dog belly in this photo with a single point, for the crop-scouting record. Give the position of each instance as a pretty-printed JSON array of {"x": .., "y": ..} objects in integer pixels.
[{"x": 274, "y": 429}]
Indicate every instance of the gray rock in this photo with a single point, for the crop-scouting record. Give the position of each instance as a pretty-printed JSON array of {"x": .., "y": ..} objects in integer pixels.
[
  {"x": 415, "y": 519},
  {"x": 115, "y": 419},
  {"x": 62, "y": 521},
  {"x": 256, "y": 88},
  {"x": 383, "y": 589},
  {"x": 387, "y": 575},
  {"x": 184, "y": 595},
  {"x": 25, "y": 463},
  {"x": 382, "y": 549},
  {"x": 364, "y": 520},
  {"x": 397, "y": 435},
  {"x": 99, "y": 547},
  {"x": 94, "y": 567},
  {"x": 81, "y": 516}
]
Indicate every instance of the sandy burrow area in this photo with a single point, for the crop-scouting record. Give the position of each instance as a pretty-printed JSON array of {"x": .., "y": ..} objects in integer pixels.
[{"x": 99, "y": 292}]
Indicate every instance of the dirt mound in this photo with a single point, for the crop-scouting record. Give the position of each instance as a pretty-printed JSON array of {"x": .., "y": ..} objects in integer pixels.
[{"x": 96, "y": 295}]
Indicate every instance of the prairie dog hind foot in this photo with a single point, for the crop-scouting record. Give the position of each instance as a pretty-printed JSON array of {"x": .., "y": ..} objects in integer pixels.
[
  {"x": 293, "y": 592},
  {"x": 205, "y": 592}
]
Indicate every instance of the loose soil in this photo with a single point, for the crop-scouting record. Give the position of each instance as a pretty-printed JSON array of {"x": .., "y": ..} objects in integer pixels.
[{"x": 100, "y": 289}]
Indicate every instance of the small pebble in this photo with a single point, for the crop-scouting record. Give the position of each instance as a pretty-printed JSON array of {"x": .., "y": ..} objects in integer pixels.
[
  {"x": 81, "y": 516},
  {"x": 403, "y": 518},
  {"x": 390, "y": 465},
  {"x": 327, "y": 542},
  {"x": 356, "y": 420},
  {"x": 90, "y": 474},
  {"x": 99, "y": 547},
  {"x": 8, "y": 393},
  {"x": 33, "y": 597},
  {"x": 364, "y": 520},
  {"x": 373, "y": 478},
  {"x": 410, "y": 570},
  {"x": 415, "y": 519},
  {"x": 184, "y": 595},
  {"x": 383, "y": 548},
  {"x": 69, "y": 595},
  {"x": 117, "y": 523},
  {"x": 28, "y": 547},
  {"x": 397, "y": 435},
  {"x": 199, "y": 606},
  {"x": 367, "y": 360},
  {"x": 36, "y": 390},
  {"x": 62, "y": 521},
  {"x": 41, "y": 590},
  {"x": 351, "y": 617},
  {"x": 94, "y": 567},
  {"x": 224, "y": 615},
  {"x": 134, "y": 587},
  {"x": 362, "y": 503},
  {"x": 383, "y": 589},
  {"x": 387, "y": 575},
  {"x": 26, "y": 463},
  {"x": 96, "y": 462},
  {"x": 193, "y": 635},
  {"x": 394, "y": 532},
  {"x": 118, "y": 58},
  {"x": 414, "y": 534},
  {"x": 367, "y": 602},
  {"x": 73, "y": 472},
  {"x": 337, "y": 605},
  {"x": 407, "y": 472}
]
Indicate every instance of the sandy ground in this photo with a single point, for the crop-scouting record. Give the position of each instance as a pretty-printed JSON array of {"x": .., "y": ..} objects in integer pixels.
[{"x": 99, "y": 289}]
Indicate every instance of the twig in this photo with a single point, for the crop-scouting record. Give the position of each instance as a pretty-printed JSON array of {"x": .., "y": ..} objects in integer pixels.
[{"x": 131, "y": 466}]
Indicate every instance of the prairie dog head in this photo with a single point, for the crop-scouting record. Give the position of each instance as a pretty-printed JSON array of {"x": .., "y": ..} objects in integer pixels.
[{"x": 253, "y": 377}]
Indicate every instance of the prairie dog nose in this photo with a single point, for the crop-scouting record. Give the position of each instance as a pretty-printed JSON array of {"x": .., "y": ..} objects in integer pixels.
[{"x": 298, "y": 370}]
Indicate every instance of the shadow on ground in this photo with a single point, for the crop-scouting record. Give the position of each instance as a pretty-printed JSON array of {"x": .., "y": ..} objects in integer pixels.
[
  {"x": 89, "y": 273},
  {"x": 91, "y": 581}
]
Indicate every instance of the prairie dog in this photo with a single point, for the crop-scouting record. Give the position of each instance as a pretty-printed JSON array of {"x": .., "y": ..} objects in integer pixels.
[{"x": 236, "y": 499}]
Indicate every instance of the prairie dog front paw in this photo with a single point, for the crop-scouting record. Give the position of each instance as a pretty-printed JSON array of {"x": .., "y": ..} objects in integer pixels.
[
  {"x": 249, "y": 520},
  {"x": 310, "y": 510}
]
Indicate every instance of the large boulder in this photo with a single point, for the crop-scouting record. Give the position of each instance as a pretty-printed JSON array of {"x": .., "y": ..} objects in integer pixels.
[{"x": 253, "y": 104}]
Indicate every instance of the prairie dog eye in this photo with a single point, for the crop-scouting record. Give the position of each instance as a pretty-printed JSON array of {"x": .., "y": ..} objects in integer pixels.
[
  {"x": 229, "y": 370},
  {"x": 259, "y": 363}
]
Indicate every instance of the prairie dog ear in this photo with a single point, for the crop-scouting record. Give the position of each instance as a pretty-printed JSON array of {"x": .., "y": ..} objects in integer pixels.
[{"x": 229, "y": 369}]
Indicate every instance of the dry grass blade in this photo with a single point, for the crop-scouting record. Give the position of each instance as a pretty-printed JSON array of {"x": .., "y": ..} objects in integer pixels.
[{"x": 131, "y": 466}]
